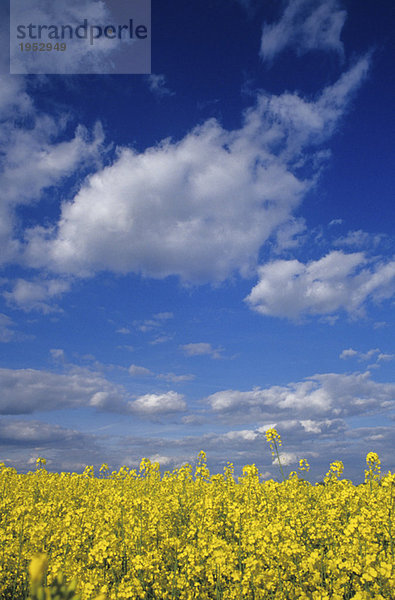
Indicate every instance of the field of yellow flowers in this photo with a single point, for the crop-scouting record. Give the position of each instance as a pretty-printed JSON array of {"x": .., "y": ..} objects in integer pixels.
[{"x": 184, "y": 535}]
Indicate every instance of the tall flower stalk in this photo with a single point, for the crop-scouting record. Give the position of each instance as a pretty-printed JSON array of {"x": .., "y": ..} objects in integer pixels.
[{"x": 274, "y": 439}]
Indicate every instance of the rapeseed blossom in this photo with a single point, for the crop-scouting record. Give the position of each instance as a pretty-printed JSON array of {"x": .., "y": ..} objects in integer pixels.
[
  {"x": 139, "y": 535},
  {"x": 374, "y": 464}
]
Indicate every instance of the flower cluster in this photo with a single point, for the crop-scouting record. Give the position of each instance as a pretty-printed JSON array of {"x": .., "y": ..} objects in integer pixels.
[
  {"x": 335, "y": 470},
  {"x": 374, "y": 467}
]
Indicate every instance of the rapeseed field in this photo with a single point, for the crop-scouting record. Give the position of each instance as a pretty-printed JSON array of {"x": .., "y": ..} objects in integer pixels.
[{"x": 194, "y": 536}]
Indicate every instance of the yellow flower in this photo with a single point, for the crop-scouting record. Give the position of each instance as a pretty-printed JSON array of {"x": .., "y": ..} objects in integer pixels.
[
  {"x": 273, "y": 436},
  {"x": 372, "y": 458},
  {"x": 304, "y": 465},
  {"x": 335, "y": 470},
  {"x": 373, "y": 462},
  {"x": 138, "y": 534}
]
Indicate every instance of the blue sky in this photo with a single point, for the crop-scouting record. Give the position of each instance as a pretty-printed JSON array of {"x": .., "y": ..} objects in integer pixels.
[{"x": 193, "y": 256}]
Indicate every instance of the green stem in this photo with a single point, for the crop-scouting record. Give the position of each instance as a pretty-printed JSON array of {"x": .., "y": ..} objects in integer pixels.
[{"x": 279, "y": 461}]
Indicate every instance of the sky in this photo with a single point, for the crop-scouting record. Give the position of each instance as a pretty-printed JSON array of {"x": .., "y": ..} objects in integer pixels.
[{"x": 192, "y": 256}]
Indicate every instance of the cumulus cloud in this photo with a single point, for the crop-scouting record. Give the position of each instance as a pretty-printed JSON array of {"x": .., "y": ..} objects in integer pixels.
[
  {"x": 304, "y": 26},
  {"x": 32, "y": 295},
  {"x": 243, "y": 434},
  {"x": 286, "y": 459},
  {"x": 328, "y": 395},
  {"x": 202, "y": 207},
  {"x": 158, "y": 404},
  {"x": 27, "y": 434},
  {"x": 200, "y": 349},
  {"x": 34, "y": 157},
  {"x": 338, "y": 281},
  {"x": 161, "y": 459},
  {"x": 34, "y": 161},
  {"x": 25, "y": 391}
]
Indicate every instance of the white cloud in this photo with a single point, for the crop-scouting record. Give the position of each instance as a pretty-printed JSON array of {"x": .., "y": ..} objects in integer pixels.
[
  {"x": 386, "y": 357},
  {"x": 162, "y": 339},
  {"x": 338, "y": 281},
  {"x": 158, "y": 404},
  {"x": 157, "y": 85},
  {"x": 123, "y": 330},
  {"x": 36, "y": 433},
  {"x": 126, "y": 347},
  {"x": 161, "y": 459},
  {"x": 350, "y": 352},
  {"x": 172, "y": 377},
  {"x": 304, "y": 26},
  {"x": 33, "y": 157},
  {"x": 315, "y": 427},
  {"x": 13, "y": 97},
  {"x": 327, "y": 395},
  {"x": 200, "y": 349},
  {"x": 157, "y": 321},
  {"x": 57, "y": 354},
  {"x": 287, "y": 235},
  {"x": 34, "y": 161},
  {"x": 286, "y": 459},
  {"x": 244, "y": 434},
  {"x": 202, "y": 207},
  {"x": 359, "y": 239},
  {"x": 369, "y": 354},
  {"x": 164, "y": 316},
  {"x": 137, "y": 371},
  {"x": 32, "y": 295},
  {"x": 25, "y": 391},
  {"x": 366, "y": 356}
]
